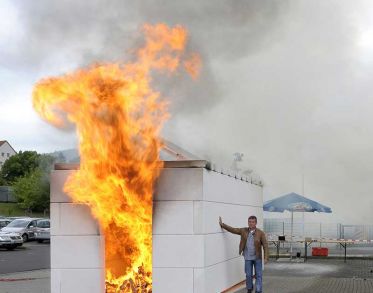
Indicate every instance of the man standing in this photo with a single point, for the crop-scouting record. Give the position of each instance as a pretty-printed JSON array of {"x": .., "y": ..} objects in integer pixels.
[{"x": 252, "y": 241}]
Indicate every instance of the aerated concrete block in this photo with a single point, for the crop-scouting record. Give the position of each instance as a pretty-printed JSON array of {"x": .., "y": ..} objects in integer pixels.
[
  {"x": 77, "y": 252},
  {"x": 72, "y": 219},
  {"x": 173, "y": 217},
  {"x": 77, "y": 280},
  {"x": 178, "y": 280}
]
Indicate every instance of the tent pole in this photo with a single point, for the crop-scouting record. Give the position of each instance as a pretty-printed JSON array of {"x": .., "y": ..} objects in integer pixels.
[
  {"x": 303, "y": 225},
  {"x": 291, "y": 235}
]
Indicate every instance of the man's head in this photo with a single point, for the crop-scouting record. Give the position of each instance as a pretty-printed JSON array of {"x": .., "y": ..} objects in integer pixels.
[{"x": 252, "y": 222}]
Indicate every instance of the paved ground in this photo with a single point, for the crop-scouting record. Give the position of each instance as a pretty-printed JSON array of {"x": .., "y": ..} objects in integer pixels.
[
  {"x": 318, "y": 276},
  {"x": 30, "y": 256},
  {"x": 26, "y": 282}
]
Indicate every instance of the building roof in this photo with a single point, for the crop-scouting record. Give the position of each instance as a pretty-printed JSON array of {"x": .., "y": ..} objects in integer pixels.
[
  {"x": 173, "y": 156},
  {"x": 173, "y": 152},
  {"x": 182, "y": 164},
  {"x": 5, "y": 141}
]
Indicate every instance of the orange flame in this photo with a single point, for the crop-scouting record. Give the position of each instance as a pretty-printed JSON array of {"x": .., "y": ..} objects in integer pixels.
[{"x": 118, "y": 118}]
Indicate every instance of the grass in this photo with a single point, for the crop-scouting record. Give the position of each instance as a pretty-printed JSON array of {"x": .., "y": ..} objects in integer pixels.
[{"x": 13, "y": 210}]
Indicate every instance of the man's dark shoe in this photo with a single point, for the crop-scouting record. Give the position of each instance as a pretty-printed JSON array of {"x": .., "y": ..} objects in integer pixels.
[{"x": 249, "y": 290}]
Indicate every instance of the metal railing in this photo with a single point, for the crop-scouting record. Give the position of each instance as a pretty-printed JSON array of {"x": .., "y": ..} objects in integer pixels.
[
  {"x": 319, "y": 230},
  {"x": 315, "y": 230}
]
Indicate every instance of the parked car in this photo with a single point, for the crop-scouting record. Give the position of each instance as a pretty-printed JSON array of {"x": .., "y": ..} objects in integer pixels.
[
  {"x": 4, "y": 222},
  {"x": 26, "y": 227},
  {"x": 43, "y": 230},
  {"x": 10, "y": 240}
]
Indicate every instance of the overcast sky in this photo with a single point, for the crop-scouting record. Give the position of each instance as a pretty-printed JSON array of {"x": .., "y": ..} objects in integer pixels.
[{"x": 287, "y": 83}]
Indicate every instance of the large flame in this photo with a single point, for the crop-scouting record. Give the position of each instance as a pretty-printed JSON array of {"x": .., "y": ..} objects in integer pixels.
[{"x": 118, "y": 118}]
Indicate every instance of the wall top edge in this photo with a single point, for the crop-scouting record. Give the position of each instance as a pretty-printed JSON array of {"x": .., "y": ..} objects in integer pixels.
[
  {"x": 166, "y": 164},
  {"x": 66, "y": 166},
  {"x": 183, "y": 164}
]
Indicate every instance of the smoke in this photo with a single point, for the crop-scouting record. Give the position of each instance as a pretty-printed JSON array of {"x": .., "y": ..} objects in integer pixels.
[
  {"x": 61, "y": 35},
  {"x": 285, "y": 82}
]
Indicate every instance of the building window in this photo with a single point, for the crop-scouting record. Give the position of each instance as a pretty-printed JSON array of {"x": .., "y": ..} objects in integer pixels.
[
  {"x": 8, "y": 155},
  {"x": 2, "y": 154}
]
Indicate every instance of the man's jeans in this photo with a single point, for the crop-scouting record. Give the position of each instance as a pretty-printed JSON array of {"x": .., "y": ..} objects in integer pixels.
[{"x": 249, "y": 264}]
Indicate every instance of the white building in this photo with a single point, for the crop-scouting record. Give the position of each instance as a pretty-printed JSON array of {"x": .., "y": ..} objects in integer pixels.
[{"x": 6, "y": 151}]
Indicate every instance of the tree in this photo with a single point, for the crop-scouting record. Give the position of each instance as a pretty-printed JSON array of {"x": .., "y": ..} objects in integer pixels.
[
  {"x": 32, "y": 190},
  {"x": 28, "y": 173},
  {"x": 19, "y": 165}
]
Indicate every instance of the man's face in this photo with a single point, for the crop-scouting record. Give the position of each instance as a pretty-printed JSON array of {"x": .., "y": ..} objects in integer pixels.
[{"x": 252, "y": 223}]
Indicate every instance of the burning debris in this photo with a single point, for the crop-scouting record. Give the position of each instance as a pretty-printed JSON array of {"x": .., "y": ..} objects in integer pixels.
[
  {"x": 118, "y": 118},
  {"x": 141, "y": 284}
]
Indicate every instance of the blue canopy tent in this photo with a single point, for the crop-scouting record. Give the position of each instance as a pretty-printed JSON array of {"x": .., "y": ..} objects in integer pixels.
[{"x": 294, "y": 202}]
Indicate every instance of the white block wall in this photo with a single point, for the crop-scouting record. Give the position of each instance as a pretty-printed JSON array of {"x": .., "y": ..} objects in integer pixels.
[
  {"x": 77, "y": 262},
  {"x": 191, "y": 254}
]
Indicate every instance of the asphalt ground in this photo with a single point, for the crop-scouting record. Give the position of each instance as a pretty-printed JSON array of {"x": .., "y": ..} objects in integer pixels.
[{"x": 30, "y": 256}]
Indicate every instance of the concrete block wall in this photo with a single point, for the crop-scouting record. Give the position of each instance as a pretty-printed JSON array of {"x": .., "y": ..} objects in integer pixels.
[
  {"x": 77, "y": 262},
  {"x": 191, "y": 254}
]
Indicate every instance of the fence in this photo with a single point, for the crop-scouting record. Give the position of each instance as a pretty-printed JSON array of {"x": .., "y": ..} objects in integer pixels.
[
  {"x": 315, "y": 230},
  {"x": 274, "y": 227},
  {"x": 6, "y": 194},
  {"x": 318, "y": 230}
]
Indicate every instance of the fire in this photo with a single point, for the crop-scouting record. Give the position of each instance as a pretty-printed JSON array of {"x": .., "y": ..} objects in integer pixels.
[{"x": 118, "y": 118}]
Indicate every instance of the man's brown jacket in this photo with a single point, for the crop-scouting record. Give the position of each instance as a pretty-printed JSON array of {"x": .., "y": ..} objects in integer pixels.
[{"x": 259, "y": 240}]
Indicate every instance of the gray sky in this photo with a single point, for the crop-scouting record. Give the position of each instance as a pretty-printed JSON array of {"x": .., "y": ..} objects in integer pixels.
[{"x": 288, "y": 83}]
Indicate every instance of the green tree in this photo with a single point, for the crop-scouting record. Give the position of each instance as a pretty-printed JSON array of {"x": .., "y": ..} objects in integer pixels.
[
  {"x": 19, "y": 165},
  {"x": 2, "y": 180},
  {"x": 28, "y": 173},
  {"x": 32, "y": 190}
]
